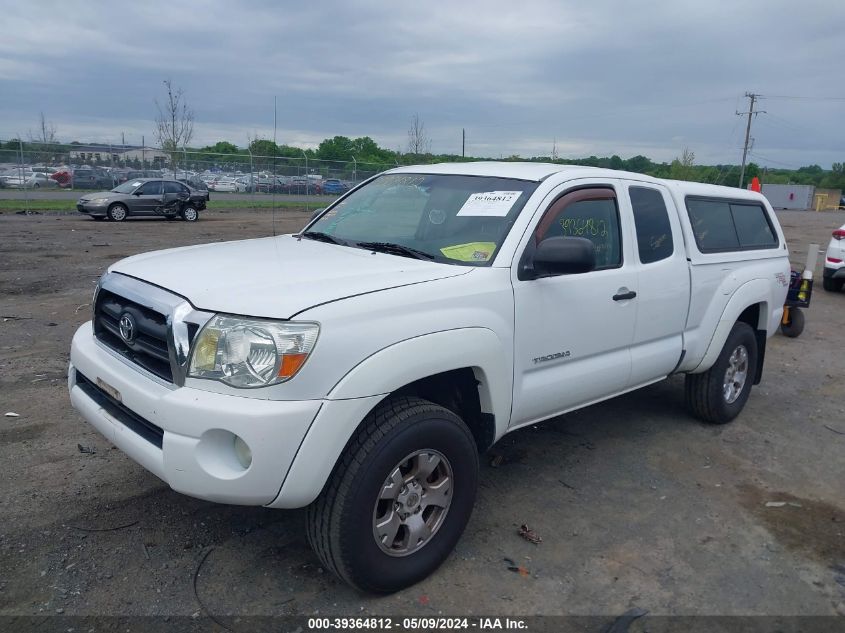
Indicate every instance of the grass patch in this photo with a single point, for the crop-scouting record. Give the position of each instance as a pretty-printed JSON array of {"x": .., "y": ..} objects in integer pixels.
[{"x": 69, "y": 206}]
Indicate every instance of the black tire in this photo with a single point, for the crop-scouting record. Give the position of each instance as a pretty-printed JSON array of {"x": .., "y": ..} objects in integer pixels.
[
  {"x": 705, "y": 392},
  {"x": 795, "y": 325},
  {"x": 340, "y": 522},
  {"x": 117, "y": 212},
  {"x": 190, "y": 214},
  {"x": 832, "y": 285}
]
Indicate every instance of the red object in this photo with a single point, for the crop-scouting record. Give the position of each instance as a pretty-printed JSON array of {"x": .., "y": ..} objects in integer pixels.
[
  {"x": 791, "y": 196},
  {"x": 755, "y": 185},
  {"x": 839, "y": 234},
  {"x": 834, "y": 260}
]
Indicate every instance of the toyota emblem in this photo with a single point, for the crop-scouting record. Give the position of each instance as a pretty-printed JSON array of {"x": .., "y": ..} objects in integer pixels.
[{"x": 127, "y": 327}]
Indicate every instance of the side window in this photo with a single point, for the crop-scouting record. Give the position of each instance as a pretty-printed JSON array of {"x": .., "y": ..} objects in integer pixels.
[
  {"x": 150, "y": 188},
  {"x": 725, "y": 225},
  {"x": 752, "y": 226},
  {"x": 589, "y": 213},
  {"x": 651, "y": 219},
  {"x": 173, "y": 187},
  {"x": 713, "y": 225}
]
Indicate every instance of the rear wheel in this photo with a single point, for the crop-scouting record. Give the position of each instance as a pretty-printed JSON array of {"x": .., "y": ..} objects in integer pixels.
[
  {"x": 794, "y": 324},
  {"x": 190, "y": 214},
  {"x": 117, "y": 213},
  {"x": 719, "y": 394},
  {"x": 399, "y": 498}
]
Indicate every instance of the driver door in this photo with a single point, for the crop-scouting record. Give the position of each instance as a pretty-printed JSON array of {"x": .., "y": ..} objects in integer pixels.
[{"x": 573, "y": 332}]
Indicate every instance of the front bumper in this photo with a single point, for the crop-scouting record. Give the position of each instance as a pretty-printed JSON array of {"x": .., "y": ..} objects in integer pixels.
[
  {"x": 91, "y": 209},
  {"x": 196, "y": 455}
]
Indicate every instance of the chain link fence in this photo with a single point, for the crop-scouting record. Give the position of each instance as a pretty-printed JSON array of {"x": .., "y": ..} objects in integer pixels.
[{"x": 32, "y": 165}]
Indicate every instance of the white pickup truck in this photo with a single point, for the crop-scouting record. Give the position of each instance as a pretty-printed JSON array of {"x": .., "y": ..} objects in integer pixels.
[{"x": 360, "y": 366}]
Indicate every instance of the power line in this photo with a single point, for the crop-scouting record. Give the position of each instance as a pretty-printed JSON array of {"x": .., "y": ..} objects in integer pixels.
[
  {"x": 801, "y": 97},
  {"x": 771, "y": 160}
]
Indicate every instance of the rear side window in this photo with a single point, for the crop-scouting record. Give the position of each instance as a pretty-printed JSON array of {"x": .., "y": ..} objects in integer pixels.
[
  {"x": 173, "y": 187},
  {"x": 651, "y": 219},
  {"x": 724, "y": 225},
  {"x": 752, "y": 226}
]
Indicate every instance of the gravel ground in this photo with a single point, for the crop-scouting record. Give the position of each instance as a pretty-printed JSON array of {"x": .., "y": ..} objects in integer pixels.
[{"x": 637, "y": 504}]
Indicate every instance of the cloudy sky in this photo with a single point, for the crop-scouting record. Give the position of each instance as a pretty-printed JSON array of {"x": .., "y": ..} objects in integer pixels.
[{"x": 600, "y": 77}]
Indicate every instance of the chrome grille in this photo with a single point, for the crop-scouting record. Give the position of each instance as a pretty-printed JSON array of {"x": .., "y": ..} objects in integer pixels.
[
  {"x": 148, "y": 326},
  {"x": 148, "y": 344}
]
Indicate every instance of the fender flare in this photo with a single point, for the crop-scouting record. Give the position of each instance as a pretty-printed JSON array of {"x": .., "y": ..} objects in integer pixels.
[
  {"x": 751, "y": 292},
  {"x": 385, "y": 371}
]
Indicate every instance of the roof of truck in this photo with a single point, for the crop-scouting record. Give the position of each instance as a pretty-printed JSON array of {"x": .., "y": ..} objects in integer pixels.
[
  {"x": 497, "y": 169},
  {"x": 540, "y": 171}
]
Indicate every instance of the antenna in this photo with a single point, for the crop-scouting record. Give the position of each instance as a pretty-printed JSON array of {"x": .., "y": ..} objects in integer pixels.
[{"x": 273, "y": 184}]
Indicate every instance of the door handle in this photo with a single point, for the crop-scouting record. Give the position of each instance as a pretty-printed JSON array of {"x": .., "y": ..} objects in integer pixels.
[{"x": 623, "y": 294}]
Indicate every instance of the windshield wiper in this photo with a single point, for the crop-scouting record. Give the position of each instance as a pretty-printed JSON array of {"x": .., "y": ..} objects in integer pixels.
[
  {"x": 321, "y": 237},
  {"x": 395, "y": 249}
]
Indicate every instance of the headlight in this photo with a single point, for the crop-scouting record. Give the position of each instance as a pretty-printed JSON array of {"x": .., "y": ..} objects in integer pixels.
[
  {"x": 251, "y": 352},
  {"x": 99, "y": 200}
]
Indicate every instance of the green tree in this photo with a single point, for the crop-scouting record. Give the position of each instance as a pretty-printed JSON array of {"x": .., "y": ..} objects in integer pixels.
[
  {"x": 263, "y": 147},
  {"x": 337, "y": 148},
  {"x": 221, "y": 147},
  {"x": 683, "y": 168}
]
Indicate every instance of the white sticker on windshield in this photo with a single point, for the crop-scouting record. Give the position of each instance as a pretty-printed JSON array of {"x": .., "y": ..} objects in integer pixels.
[
  {"x": 136, "y": 184},
  {"x": 494, "y": 204}
]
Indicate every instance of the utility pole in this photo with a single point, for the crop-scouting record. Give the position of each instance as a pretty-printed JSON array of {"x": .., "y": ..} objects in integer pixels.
[
  {"x": 752, "y": 97},
  {"x": 463, "y": 142}
]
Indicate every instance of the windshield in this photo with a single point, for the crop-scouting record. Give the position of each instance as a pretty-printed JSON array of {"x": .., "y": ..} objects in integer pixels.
[
  {"x": 128, "y": 187},
  {"x": 446, "y": 218}
]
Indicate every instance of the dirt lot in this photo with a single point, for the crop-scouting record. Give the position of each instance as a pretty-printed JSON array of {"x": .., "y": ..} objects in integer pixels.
[{"x": 638, "y": 505}]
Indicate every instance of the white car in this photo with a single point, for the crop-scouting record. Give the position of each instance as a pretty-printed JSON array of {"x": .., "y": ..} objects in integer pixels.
[
  {"x": 833, "y": 276},
  {"x": 30, "y": 180},
  {"x": 361, "y": 366},
  {"x": 223, "y": 184}
]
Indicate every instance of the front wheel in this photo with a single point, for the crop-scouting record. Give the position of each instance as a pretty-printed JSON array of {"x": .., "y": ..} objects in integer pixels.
[
  {"x": 117, "y": 213},
  {"x": 719, "y": 394},
  {"x": 398, "y": 499},
  {"x": 190, "y": 214}
]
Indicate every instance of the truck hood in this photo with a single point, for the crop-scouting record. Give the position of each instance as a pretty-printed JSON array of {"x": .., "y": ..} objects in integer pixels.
[{"x": 276, "y": 277}]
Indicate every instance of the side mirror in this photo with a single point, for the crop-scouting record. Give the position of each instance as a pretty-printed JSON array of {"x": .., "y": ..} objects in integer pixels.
[
  {"x": 563, "y": 256},
  {"x": 137, "y": 192}
]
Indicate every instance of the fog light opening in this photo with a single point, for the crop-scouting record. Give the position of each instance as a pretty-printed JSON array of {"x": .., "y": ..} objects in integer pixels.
[{"x": 242, "y": 452}]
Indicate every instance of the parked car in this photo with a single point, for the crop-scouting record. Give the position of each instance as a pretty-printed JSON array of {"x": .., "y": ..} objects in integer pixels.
[
  {"x": 30, "y": 180},
  {"x": 293, "y": 371},
  {"x": 303, "y": 186},
  {"x": 193, "y": 182},
  {"x": 168, "y": 198},
  {"x": 62, "y": 177},
  {"x": 245, "y": 184},
  {"x": 223, "y": 184},
  {"x": 833, "y": 275},
  {"x": 334, "y": 186},
  {"x": 91, "y": 179}
]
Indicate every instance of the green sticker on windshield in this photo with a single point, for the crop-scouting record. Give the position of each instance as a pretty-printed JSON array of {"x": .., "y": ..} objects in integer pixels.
[{"x": 472, "y": 252}]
